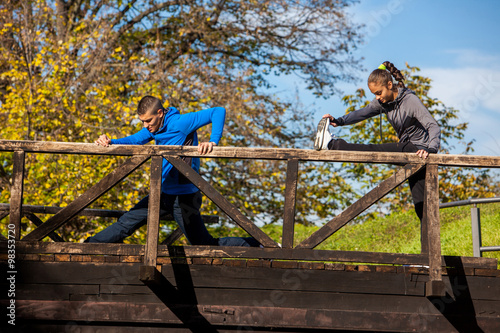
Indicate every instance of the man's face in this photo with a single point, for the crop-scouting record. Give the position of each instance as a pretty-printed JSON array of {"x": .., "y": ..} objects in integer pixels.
[
  {"x": 152, "y": 121},
  {"x": 383, "y": 93}
]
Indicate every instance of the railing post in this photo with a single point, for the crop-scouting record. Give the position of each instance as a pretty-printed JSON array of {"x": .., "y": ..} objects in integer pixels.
[
  {"x": 424, "y": 229},
  {"x": 290, "y": 199},
  {"x": 151, "y": 252},
  {"x": 476, "y": 231},
  {"x": 16, "y": 193},
  {"x": 435, "y": 285}
]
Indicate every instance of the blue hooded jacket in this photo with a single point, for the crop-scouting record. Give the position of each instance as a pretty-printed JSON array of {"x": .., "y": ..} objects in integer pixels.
[{"x": 175, "y": 130}]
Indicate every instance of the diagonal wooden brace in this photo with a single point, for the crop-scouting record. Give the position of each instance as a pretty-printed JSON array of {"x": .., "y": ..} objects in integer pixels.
[
  {"x": 360, "y": 206},
  {"x": 221, "y": 202},
  {"x": 84, "y": 200}
]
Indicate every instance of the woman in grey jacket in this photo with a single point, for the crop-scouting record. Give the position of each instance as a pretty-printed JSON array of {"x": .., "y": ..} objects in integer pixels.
[{"x": 417, "y": 130}]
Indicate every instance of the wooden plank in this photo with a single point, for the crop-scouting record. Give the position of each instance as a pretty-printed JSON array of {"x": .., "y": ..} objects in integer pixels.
[
  {"x": 251, "y": 253},
  {"x": 4, "y": 214},
  {"x": 16, "y": 190},
  {"x": 221, "y": 202},
  {"x": 290, "y": 199},
  {"x": 54, "y": 291},
  {"x": 153, "y": 223},
  {"x": 84, "y": 200},
  {"x": 221, "y": 277},
  {"x": 359, "y": 206},
  {"x": 249, "y": 317},
  {"x": 431, "y": 207},
  {"x": 77, "y": 248},
  {"x": 424, "y": 230},
  {"x": 253, "y": 153},
  {"x": 33, "y": 218},
  {"x": 37, "y": 209},
  {"x": 174, "y": 235}
]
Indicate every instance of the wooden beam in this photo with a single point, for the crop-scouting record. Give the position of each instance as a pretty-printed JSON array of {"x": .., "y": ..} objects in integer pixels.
[
  {"x": 175, "y": 235},
  {"x": 435, "y": 287},
  {"x": 38, "y": 209},
  {"x": 68, "y": 212},
  {"x": 16, "y": 190},
  {"x": 221, "y": 202},
  {"x": 252, "y": 153},
  {"x": 424, "y": 234},
  {"x": 4, "y": 214},
  {"x": 153, "y": 212},
  {"x": 360, "y": 206},
  {"x": 148, "y": 317},
  {"x": 203, "y": 251},
  {"x": 290, "y": 199},
  {"x": 33, "y": 218}
]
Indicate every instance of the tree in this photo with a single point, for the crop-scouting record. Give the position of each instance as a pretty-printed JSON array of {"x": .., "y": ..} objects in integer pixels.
[{"x": 71, "y": 69}]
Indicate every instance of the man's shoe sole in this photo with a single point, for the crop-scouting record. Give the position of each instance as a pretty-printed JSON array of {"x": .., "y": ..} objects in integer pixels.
[{"x": 318, "y": 142}]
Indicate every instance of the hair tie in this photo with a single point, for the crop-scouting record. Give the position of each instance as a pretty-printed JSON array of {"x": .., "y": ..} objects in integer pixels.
[{"x": 382, "y": 67}]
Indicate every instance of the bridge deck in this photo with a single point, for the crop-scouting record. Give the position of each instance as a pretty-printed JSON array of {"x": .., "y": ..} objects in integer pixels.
[
  {"x": 67, "y": 287},
  {"x": 57, "y": 292}
]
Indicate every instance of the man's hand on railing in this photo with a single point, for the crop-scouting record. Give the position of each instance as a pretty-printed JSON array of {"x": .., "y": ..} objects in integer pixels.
[
  {"x": 206, "y": 147},
  {"x": 103, "y": 141}
]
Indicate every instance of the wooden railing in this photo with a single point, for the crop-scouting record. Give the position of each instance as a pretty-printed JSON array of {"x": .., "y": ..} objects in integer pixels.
[{"x": 430, "y": 249}]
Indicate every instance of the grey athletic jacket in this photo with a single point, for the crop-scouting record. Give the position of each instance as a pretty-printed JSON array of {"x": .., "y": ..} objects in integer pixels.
[{"x": 409, "y": 117}]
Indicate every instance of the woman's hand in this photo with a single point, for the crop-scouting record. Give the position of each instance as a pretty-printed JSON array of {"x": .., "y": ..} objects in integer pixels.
[
  {"x": 422, "y": 153},
  {"x": 332, "y": 119}
]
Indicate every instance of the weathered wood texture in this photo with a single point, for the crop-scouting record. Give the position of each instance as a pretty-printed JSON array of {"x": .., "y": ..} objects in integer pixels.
[
  {"x": 252, "y": 153},
  {"x": 16, "y": 190},
  {"x": 225, "y": 296},
  {"x": 153, "y": 212},
  {"x": 292, "y": 172},
  {"x": 435, "y": 286},
  {"x": 242, "y": 253}
]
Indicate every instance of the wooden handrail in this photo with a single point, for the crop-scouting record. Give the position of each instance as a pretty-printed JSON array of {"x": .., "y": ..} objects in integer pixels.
[
  {"x": 431, "y": 251},
  {"x": 252, "y": 153}
]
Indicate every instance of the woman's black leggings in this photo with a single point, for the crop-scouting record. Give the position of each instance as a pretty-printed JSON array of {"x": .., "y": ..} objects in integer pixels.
[{"x": 417, "y": 181}]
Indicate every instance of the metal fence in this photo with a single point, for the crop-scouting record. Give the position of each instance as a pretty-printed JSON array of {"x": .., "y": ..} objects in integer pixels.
[{"x": 477, "y": 247}]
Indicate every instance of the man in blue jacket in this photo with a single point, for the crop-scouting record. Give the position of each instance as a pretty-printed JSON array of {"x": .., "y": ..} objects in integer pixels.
[{"x": 179, "y": 196}]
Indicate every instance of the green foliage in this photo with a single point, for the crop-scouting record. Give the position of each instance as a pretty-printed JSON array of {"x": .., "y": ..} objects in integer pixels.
[{"x": 72, "y": 70}]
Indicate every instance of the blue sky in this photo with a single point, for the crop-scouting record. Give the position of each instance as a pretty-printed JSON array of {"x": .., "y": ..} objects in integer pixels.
[{"x": 455, "y": 43}]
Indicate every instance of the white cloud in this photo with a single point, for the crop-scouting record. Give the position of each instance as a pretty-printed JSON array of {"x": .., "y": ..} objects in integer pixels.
[
  {"x": 467, "y": 57},
  {"x": 468, "y": 89},
  {"x": 473, "y": 88}
]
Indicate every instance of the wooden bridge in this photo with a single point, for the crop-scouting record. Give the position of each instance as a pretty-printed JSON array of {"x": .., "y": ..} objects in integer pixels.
[{"x": 74, "y": 287}]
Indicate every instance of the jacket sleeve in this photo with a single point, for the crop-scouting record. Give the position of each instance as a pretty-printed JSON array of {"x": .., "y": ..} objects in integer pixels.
[
  {"x": 359, "y": 115},
  {"x": 139, "y": 138},
  {"x": 190, "y": 122},
  {"x": 430, "y": 124}
]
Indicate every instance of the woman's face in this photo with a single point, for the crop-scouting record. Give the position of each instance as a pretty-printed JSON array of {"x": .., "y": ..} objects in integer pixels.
[{"x": 383, "y": 93}]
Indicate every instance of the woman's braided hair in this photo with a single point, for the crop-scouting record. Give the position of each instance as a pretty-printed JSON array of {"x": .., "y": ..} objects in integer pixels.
[{"x": 383, "y": 76}]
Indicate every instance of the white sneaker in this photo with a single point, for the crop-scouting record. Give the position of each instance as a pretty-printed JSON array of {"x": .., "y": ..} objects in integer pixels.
[{"x": 323, "y": 135}]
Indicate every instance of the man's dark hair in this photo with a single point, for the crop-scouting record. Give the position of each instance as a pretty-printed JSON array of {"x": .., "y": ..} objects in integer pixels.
[{"x": 149, "y": 104}]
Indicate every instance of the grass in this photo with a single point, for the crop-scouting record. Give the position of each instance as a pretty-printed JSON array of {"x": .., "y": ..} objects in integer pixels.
[{"x": 400, "y": 233}]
